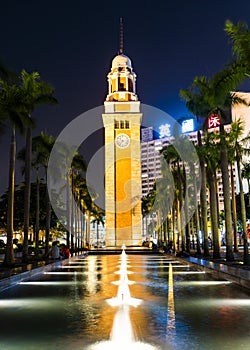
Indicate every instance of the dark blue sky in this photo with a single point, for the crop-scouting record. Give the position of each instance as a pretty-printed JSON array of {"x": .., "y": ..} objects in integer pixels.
[{"x": 72, "y": 43}]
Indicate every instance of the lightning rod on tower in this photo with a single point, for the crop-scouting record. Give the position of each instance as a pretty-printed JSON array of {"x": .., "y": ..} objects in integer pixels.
[{"x": 121, "y": 37}]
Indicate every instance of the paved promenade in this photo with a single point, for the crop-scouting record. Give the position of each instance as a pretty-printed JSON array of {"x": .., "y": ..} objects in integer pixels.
[{"x": 235, "y": 272}]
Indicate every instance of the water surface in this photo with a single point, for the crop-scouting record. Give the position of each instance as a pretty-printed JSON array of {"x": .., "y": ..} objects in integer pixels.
[{"x": 169, "y": 306}]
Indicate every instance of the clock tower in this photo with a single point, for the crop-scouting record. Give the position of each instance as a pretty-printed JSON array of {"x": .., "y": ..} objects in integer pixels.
[{"x": 122, "y": 120}]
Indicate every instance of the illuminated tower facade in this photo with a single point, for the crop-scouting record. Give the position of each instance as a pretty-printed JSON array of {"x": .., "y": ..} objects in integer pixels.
[{"x": 122, "y": 120}]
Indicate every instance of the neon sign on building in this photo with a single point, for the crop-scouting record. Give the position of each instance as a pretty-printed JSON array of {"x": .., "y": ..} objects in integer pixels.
[
  {"x": 187, "y": 126},
  {"x": 165, "y": 130},
  {"x": 213, "y": 121}
]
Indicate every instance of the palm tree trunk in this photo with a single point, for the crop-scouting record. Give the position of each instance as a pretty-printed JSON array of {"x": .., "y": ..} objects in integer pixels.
[
  {"x": 248, "y": 181},
  {"x": 178, "y": 215},
  {"x": 243, "y": 214},
  {"x": 226, "y": 192},
  {"x": 197, "y": 216},
  {"x": 72, "y": 227},
  {"x": 9, "y": 252},
  {"x": 28, "y": 150},
  {"x": 191, "y": 225},
  {"x": 68, "y": 208},
  {"x": 234, "y": 210},
  {"x": 214, "y": 214},
  {"x": 48, "y": 215},
  {"x": 88, "y": 227},
  {"x": 76, "y": 223},
  {"x": 203, "y": 201},
  {"x": 173, "y": 227},
  {"x": 187, "y": 226},
  {"x": 37, "y": 213},
  {"x": 97, "y": 233},
  {"x": 79, "y": 223},
  {"x": 198, "y": 229},
  {"x": 84, "y": 239},
  {"x": 180, "y": 201}
]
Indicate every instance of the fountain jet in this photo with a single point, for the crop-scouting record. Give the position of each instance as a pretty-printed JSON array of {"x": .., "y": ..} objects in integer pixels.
[
  {"x": 123, "y": 295},
  {"x": 122, "y": 335}
]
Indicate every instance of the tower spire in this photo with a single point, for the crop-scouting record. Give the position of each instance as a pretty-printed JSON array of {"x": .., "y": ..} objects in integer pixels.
[{"x": 121, "y": 37}]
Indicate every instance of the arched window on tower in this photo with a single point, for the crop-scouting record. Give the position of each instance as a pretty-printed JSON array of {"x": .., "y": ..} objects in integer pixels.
[
  {"x": 113, "y": 86},
  {"x": 130, "y": 85},
  {"x": 121, "y": 84}
]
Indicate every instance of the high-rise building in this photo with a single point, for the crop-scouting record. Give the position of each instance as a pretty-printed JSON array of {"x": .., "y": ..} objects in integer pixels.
[{"x": 150, "y": 150}]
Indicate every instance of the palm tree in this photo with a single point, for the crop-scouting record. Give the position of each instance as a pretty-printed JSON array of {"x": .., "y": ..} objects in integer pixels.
[
  {"x": 41, "y": 148},
  {"x": 195, "y": 102},
  {"x": 240, "y": 38},
  {"x": 214, "y": 97},
  {"x": 78, "y": 192},
  {"x": 211, "y": 155},
  {"x": 98, "y": 215},
  {"x": 65, "y": 169},
  {"x": 234, "y": 207},
  {"x": 235, "y": 138},
  {"x": 35, "y": 92},
  {"x": 148, "y": 204},
  {"x": 245, "y": 173},
  {"x": 196, "y": 217},
  {"x": 172, "y": 157},
  {"x": 11, "y": 109}
]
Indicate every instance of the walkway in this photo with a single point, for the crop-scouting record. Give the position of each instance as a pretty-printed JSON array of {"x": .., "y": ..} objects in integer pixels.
[{"x": 235, "y": 271}]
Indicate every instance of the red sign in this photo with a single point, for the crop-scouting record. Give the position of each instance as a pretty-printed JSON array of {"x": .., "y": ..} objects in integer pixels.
[{"x": 213, "y": 121}]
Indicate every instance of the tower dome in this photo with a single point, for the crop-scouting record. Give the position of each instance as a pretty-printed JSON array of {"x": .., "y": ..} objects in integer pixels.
[
  {"x": 121, "y": 80},
  {"x": 121, "y": 61}
]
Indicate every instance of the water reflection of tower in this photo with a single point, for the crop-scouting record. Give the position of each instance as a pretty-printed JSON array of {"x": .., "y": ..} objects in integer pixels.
[{"x": 122, "y": 120}]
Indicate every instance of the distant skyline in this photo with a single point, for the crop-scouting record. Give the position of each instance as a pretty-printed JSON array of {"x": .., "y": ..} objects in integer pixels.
[{"x": 72, "y": 44}]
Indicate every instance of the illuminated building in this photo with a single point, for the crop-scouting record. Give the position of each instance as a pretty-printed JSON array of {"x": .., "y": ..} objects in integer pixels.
[
  {"x": 122, "y": 121},
  {"x": 150, "y": 156}
]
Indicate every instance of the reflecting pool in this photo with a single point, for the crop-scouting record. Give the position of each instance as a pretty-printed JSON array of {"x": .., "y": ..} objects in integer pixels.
[{"x": 125, "y": 301}]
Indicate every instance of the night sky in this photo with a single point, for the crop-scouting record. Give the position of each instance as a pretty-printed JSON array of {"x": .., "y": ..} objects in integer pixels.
[{"x": 72, "y": 43}]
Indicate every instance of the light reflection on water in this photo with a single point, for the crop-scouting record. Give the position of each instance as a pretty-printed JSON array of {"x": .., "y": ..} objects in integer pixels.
[{"x": 68, "y": 308}]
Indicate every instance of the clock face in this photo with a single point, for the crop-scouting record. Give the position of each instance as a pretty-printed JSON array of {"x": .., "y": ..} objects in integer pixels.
[{"x": 122, "y": 140}]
